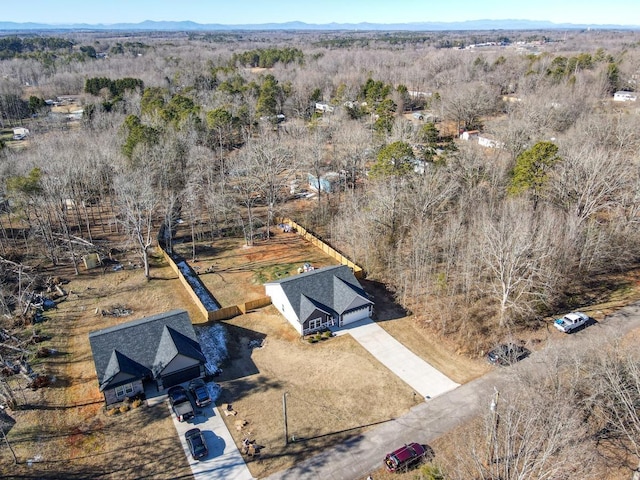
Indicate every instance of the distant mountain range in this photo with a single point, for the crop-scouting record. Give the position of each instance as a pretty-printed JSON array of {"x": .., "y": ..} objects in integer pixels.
[{"x": 149, "y": 25}]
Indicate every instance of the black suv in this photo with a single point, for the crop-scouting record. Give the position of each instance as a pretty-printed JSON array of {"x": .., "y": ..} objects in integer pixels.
[
  {"x": 197, "y": 445},
  {"x": 200, "y": 392},
  {"x": 507, "y": 353}
]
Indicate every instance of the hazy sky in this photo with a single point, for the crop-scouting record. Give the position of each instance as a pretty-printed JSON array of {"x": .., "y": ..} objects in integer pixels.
[{"x": 623, "y": 12}]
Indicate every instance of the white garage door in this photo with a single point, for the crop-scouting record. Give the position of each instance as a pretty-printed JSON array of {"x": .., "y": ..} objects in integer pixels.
[{"x": 355, "y": 316}]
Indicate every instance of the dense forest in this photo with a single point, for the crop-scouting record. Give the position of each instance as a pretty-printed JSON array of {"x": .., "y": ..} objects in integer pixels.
[{"x": 488, "y": 180}]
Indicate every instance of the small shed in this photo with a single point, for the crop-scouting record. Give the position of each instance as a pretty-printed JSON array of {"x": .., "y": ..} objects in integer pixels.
[
  {"x": 329, "y": 182},
  {"x": 92, "y": 260},
  {"x": 20, "y": 133},
  {"x": 324, "y": 107},
  {"x": 470, "y": 135}
]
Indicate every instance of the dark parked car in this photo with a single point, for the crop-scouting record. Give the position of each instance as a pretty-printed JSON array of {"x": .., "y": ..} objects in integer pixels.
[
  {"x": 180, "y": 403},
  {"x": 197, "y": 445},
  {"x": 402, "y": 458},
  {"x": 507, "y": 354},
  {"x": 200, "y": 392}
]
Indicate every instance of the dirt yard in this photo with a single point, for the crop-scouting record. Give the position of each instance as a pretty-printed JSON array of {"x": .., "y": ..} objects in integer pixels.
[{"x": 234, "y": 273}]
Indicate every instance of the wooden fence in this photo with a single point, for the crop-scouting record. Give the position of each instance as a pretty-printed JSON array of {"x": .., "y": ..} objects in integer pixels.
[
  {"x": 234, "y": 310},
  {"x": 203, "y": 310},
  {"x": 332, "y": 252},
  {"x": 253, "y": 304},
  {"x": 223, "y": 313}
]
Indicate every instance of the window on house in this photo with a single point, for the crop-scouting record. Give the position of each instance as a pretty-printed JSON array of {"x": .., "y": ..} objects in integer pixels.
[
  {"x": 124, "y": 390},
  {"x": 315, "y": 323}
]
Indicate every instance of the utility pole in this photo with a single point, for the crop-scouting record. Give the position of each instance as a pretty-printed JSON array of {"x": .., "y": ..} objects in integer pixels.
[
  {"x": 493, "y": 435},
  {"x": 284, "y": 411}
]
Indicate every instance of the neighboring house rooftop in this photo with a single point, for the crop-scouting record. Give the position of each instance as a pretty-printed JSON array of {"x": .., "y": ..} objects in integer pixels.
[
  {"x": 142, "y": 348},
  {"x": 331, "y": 289}
]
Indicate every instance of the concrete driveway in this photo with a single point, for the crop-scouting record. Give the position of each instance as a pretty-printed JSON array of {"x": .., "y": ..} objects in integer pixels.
[
  {"x": 418, "y": 374},
  {"x": 224, "y": 462},
  {"x": 357, "y": 457}
]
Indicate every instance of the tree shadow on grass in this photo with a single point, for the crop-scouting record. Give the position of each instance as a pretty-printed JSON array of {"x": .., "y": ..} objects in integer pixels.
[
  {"x": 240, "y": 344},
  {"x": 6, "y": 421},
  {"x": 164, "y": 460},
  {"x": 385, "y": 306}
]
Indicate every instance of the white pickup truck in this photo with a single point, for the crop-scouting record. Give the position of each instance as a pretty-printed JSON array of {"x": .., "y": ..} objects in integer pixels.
[{"x": 571, "y": 321}]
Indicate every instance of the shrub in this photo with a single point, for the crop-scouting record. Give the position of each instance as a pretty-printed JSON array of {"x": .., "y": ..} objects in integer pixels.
[
  {"x": 312, "y": 339},
  {"x": 39, "y": 381},
  {"x": 327, "y": 334},
  {"x": 136, "y": 403},
  {"x": 430, "y": 472},
  {"x": 112, "y": 411},
  {"x": 124, "y": 408}
]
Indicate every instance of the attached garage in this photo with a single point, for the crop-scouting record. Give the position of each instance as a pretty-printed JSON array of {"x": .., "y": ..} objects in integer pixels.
[
  {"x": 329, "y": 296},
  {"x": 163, "y": 349},
  {"x": 355, "y": 315},
  {"x": 180, "y": 376}
]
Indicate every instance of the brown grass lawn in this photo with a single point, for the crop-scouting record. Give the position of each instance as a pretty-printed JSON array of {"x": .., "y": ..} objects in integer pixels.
[
  {"x": 334, "y": 388},
  {"x": 63, "y": 427}
]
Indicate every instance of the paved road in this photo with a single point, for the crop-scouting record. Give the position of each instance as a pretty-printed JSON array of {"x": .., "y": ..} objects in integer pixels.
[
  {"x": 413, "y": 370},
  {"x": 424, "y": 423}
]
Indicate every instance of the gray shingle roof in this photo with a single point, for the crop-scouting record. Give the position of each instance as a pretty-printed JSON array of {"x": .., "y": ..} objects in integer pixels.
[
  {"x": 331, "y": 289},
  {"x": 309, "y": 305},
  {"x": 141, "y": 347},
  {"x": 121, "y": 364}
]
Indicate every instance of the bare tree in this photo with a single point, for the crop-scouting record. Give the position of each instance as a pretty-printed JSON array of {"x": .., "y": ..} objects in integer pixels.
[
  {"x": 514, "y": 253},
  {"x": 272, "y": 165},
  {"x": 246, "y": 187},
  {"x": 137, "y": 207},
  {"x": 466, "y": 104},
  {"x": 534, "y": 426},
  {"x": 589, "y": 180},
  {"x": 613, "y": 375}
]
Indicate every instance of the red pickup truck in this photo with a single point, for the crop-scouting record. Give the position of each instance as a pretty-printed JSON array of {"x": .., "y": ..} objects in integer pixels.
[{"x": 404, "y": 457}]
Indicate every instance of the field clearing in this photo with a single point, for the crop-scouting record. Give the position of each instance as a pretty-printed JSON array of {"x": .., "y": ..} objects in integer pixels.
[{"x": 238, "y": 271}]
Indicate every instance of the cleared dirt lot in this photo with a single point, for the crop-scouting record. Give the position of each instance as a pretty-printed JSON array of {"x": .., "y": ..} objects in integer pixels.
[{"x": 234, "y": 273}]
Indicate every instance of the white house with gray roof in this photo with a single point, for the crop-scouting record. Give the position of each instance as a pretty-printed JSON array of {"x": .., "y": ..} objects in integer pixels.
[
  {"x": 162, "y": 349},
  {"x": 315, "y": 300}
]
